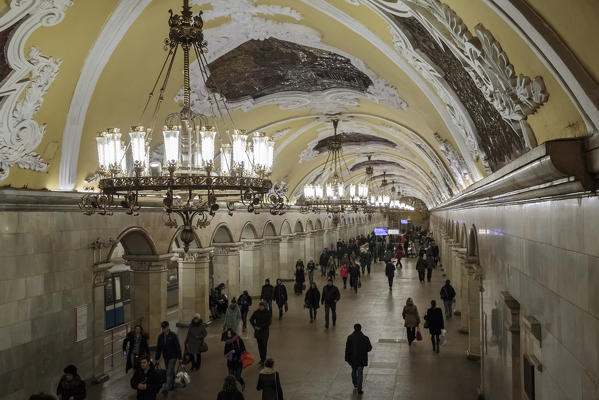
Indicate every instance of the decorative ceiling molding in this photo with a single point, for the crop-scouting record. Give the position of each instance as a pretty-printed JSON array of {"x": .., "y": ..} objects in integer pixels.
[
  {"x": 245, "y": 24},
  {"x": 26, "y": 84},
  {"x": 112, "y": 33},
  {"x": 457, "y": 165}
]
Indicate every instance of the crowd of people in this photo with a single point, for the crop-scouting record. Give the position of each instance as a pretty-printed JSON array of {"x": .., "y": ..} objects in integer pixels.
[{"x": 350, "y": 260}]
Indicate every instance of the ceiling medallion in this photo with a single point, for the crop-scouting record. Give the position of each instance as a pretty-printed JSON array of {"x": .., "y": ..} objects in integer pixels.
[{"x": 191, "y": 187}]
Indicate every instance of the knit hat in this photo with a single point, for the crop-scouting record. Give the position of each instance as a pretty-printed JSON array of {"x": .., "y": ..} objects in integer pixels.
[
  {"x": 198, "y": 316},
  {"x": 70, "y": 369}
]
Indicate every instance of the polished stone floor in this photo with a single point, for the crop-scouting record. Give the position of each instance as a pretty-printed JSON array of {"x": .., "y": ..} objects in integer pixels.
[{"x": 310, "y": 358}]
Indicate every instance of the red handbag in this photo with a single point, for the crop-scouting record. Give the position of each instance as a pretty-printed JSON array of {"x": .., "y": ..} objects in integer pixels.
[
  {"x": 246, "y": 359},
  {"x": 418, "y": 335}
]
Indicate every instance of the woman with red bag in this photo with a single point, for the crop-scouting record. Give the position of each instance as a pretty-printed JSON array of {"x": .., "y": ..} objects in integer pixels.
[
  {"x": 411, "y": 320},
  {"x": 344, "y": 274},
  {"x": 234, "y": 348}
]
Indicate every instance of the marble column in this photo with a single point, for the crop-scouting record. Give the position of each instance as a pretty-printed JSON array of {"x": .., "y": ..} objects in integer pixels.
[
  {"x": 285, "y": 257},
  {"x": 272, "y": 254},
  {"x": 251, "y": 266},
  {"x": 474, "y": 327},
  {"x": 456, "y": 274},
  {"x": 319, "y": 244},
  {"x": 513, "y": 324},
  {"x": 299, "y": 246},
  {"x": 226, "y": 267},
  {"x": 149, "y": 290},
  {"x": 463, "y": 292},
  {"x": 194, "y": 285},
  {"x": 310, "y": 244},
  {"x": 100, "y": 274}
]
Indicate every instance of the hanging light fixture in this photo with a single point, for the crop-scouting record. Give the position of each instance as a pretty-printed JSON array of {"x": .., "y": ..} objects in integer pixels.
[
  {"x": 190, "y": 186},
  {"x": 331, "y": 195}
]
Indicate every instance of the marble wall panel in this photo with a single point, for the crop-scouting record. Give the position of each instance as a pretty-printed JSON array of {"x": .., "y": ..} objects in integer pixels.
[{"x": 590, "y": 211}]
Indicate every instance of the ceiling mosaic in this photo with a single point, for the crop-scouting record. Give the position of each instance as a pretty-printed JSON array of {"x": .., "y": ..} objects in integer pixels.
[{"x": 262, "y": 67}]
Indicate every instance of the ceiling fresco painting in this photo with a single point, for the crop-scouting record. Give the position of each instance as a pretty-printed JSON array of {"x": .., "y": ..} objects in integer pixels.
[{"x": 262, "y": 67}]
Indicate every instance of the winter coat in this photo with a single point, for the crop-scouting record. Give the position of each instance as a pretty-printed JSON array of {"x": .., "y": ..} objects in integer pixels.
[
  {"x": 151, "y": 379},
  {"x": 232, "y": 317},
  {"x": 390, "y": 269},
  {"x": 195, "y": 337},
  {"x": 421, "y": 264},
  {"x": 280, "y": 294},
  {"x": 270, "y": 384},
  {"x": 260, "y": 320},
  {"x": 299, "y": 264},
  {"x": 434, "y": 320},
  {"x": 311, "y": 266},
  {"x": 244, "y": 302},
  {"x": 169, "y": 350},
  {"x": 330, "y": 294},
  {"x": 324, "y": 258},
  {"x": 312, "y": 299},
  {"x": 365, "y": 258},
  {"x": 399, "y": 253},
  {"x": 356, "y": 349},
  {"x": 129, "y": 346},
  {"x": 354, "y": 275},
  {"x": 447, "y": 292},
  {"x": 343, "y": 271},
  {"x": 236, "y": 395},
  {"x": 410, "y": 316},
  {"x": 267, "y": 292},
  {"x": 300, "y": 277},
  {"x": 234, "y": 359},
  {"x": 74, "y": 388}
]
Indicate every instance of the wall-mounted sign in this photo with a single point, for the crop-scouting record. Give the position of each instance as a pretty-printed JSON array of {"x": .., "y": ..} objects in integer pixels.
[
  {"x": 80, "y": 323},
  {"x": 393, "y": 231},
  {"x": 381, "y": 231},
  {"x": 405, "y": 221}
]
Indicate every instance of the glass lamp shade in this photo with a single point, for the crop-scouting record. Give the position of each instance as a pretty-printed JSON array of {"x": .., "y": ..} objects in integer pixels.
[
  {"x": 240, "y": 155},
  {"x": 171, "y": 143},
  {"x": 386, "y": 199},
  {"x": 309, "y": 192},
  {"x": 318, "y": 191},
  {"x": 270, "y": 154},
  {"x": 207, "y": 135},
  {"x": 113, "y": 148},
  {"x": 260, "y": 151},
  {"x": 372, "y": 200},
  {"x": 352, "y": 191},
  {"x": 362, "y": 190},
  {"x": 197, "y": 156},
  {"x": 225, "y": 159},
  {"x": 101, "y": 142},
  {"x": 138, "y": 144},
  {"x": 123, "y": 158}
]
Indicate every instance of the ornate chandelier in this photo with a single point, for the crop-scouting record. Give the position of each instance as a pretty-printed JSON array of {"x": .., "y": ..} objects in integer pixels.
[
  {"x": 331, "y": 195},
  {"x": 191, "y": 187}
]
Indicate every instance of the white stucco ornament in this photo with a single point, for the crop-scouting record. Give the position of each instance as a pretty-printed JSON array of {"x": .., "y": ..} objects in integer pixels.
[{"x": 24, "y": 88}]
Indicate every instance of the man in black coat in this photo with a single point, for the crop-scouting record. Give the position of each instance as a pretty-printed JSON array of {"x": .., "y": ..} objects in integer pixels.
[
  {"x": 280, "y": 296},
  {"x": 260, "y": 320},
  {"x": 146, "y": 380},
  {"x": 330, "y": 297},
  {"x": 168, "y": 346},
  {"x": 356, "y": 355},
  {"x": 435, "y": 324},
  {"x": 390, "y": 273},
  {"x": 447, "y": 295},
  {"x": 71, "y": 386},
  {"x": 323, "y": 261},
  {"x": 267, "y": 294}
]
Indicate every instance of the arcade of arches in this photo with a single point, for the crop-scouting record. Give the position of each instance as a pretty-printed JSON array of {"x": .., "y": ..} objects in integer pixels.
[{"x": 483, "y": 112}]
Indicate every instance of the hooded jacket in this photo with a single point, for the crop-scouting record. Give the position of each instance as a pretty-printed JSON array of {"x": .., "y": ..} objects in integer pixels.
[{"x": 270, "y": 384}]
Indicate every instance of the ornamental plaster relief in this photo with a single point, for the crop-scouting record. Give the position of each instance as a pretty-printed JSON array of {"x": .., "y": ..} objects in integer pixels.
[{"x": 25, "y": 86}]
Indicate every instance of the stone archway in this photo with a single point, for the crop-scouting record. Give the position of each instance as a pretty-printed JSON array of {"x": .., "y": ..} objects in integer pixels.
[
  {"x": 251, "y": 260},
  {"x": 226, "y": 259}
]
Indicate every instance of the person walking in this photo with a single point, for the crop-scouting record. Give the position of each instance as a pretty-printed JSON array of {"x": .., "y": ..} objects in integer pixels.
[
  {"x": 421, "y": 267},
  {"x": 390, "y": 273},
  {"x": 194, "y": 341},
  {"x": 260, "y": 320},
  {"x": 365, "y": 261},
  {"x": 311, "y": 267},
  {"x": 331, "y": 266},
  {"x": 411, "y": 319},
  {"x": 135, "y": 346},
  {"x": 430, "y": 263},
  {"x": 244, "y": 301},
  {"x": 230, "y": 391},
  {"x": 267, "y": 294},
  {"x": 146, "y": 380},
  {"x": 300, "y": 278},
  {"x": 344, "y": 274},
  {"x": 434, "y": 323},
  {"x": 312, "y": 301},
  {"x": 399, "y": 256},
  {"x": 323, "y": 261},
  {"x": 330, "y": 297},
  {"x": 232, "y": 316},
  {"x": 280, "y": 297},
  {"x": 299, "y": 263},
  {"x": 71, "y": 386},
  {"x": 354, "y": 276},
  {"x": 234, "y": 348},
  {"x": 269, "y": 382},
  {"x": 357, "y": 347},
  {"x": 448, "y": 296},
  {"x": 169, "y": 348}
]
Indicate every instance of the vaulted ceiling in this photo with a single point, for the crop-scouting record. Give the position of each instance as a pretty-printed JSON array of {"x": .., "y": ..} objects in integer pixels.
[{"x": 439, "y": 94}]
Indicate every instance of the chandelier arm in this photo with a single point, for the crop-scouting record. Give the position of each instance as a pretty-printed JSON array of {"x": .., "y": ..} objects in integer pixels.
[
  {"x": 163, "y": 87},
  {"x": 151, "y": 95}
]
